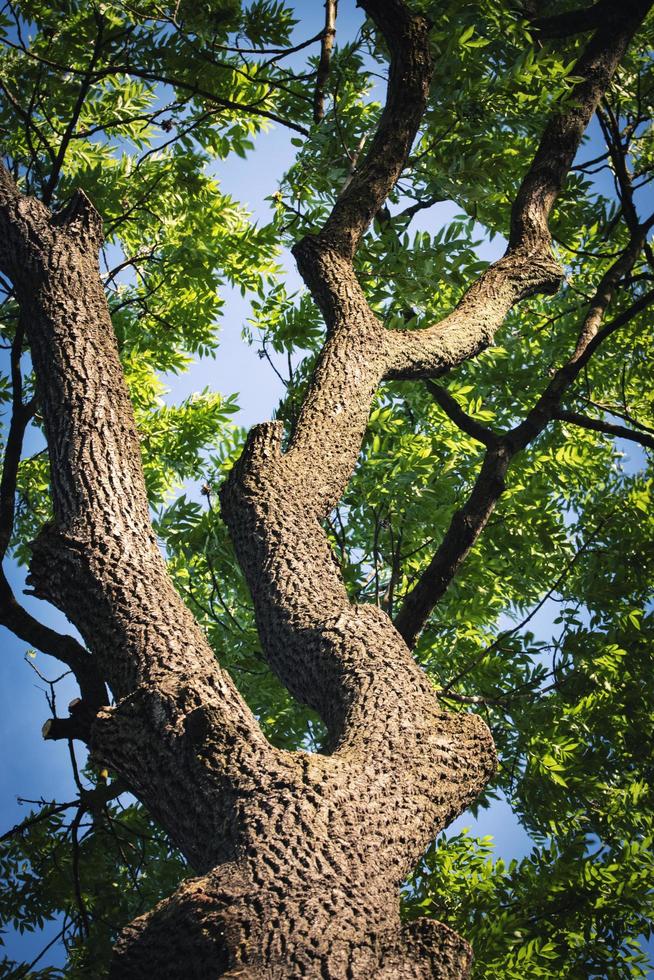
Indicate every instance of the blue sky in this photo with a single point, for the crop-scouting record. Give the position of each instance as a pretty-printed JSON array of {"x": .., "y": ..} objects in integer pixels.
[{"x": 33, "y": 769}]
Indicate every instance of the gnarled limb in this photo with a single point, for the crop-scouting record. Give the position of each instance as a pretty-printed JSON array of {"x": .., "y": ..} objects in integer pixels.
[{"x": 99, "y": 562}]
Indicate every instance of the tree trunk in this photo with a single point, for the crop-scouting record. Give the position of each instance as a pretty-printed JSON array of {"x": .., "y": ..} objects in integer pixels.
[{"x": 301, "y": 856}]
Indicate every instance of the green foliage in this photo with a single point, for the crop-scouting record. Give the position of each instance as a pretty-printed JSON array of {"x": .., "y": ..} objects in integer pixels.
[
  {"x": 566, "y": 910},
  {"x": 548, "y": 628},
  {"x": 118, "y": 865}
]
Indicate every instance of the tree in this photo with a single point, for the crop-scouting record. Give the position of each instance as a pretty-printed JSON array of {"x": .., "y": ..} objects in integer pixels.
[{"x": 381, "y": 524}]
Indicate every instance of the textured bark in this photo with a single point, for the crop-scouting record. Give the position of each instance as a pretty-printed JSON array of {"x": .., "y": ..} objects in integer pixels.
[{"x": 300, "y": 857}]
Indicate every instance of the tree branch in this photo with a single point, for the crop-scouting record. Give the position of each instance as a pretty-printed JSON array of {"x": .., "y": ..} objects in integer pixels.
[
  {"x": 611, "y": 131},
  {"x": 469, "y": 522},
  {"x": 562, "y": 135},
  {"x": 326, "y": 45},
  {"x": 48, "y": 810},
  {"x": 423, "y": 205},
  {"x": 496, "y": 644},
  {"x": 100, "y": 562},
  {"x": 600, "y": 425},
  {"x": 410, "y": 69},
  {"x": 528, "y": 266},
  {"x": 178, "y": 83},
  {"x": 625, "y": 415},
  {"x": 465, "y": 422},
  {"x": 590, "y": 340},
  {"x": 87, "y": 80},
  {"x": 465, "y": 527},
  {"x": 575, "y": 21}
]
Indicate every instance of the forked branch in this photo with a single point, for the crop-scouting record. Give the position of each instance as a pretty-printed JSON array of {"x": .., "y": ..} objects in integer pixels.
[
  {"x": 99, "y": 561},
  {"x": 468, "y": 523}
]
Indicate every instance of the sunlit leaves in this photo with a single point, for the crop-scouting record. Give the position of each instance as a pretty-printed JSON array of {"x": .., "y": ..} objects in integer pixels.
[{"x": 565, "y": 911}]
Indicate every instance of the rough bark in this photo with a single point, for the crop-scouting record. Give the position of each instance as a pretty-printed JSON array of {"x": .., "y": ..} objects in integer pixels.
[{"x": 300, "y": 856}]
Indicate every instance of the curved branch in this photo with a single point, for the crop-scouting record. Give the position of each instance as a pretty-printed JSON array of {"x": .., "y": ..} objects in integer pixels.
[
  {"x": 65, "y": 648},
  {"x": 465, "y": 422},
  {"x": 528, "y": 266},
  {"x": 468, "y": 523},
  {"x": 100, "y": 562},
  {"x": 562, "y": 135},
  {"x": 609, "y": 428},
  {"x": 465, "y": 527}
]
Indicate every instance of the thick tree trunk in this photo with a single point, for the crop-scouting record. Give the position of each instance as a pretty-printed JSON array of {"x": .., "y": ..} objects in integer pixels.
[
  {"x": 233, "y": 928},
  {"x": 301, "y": 857}
]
